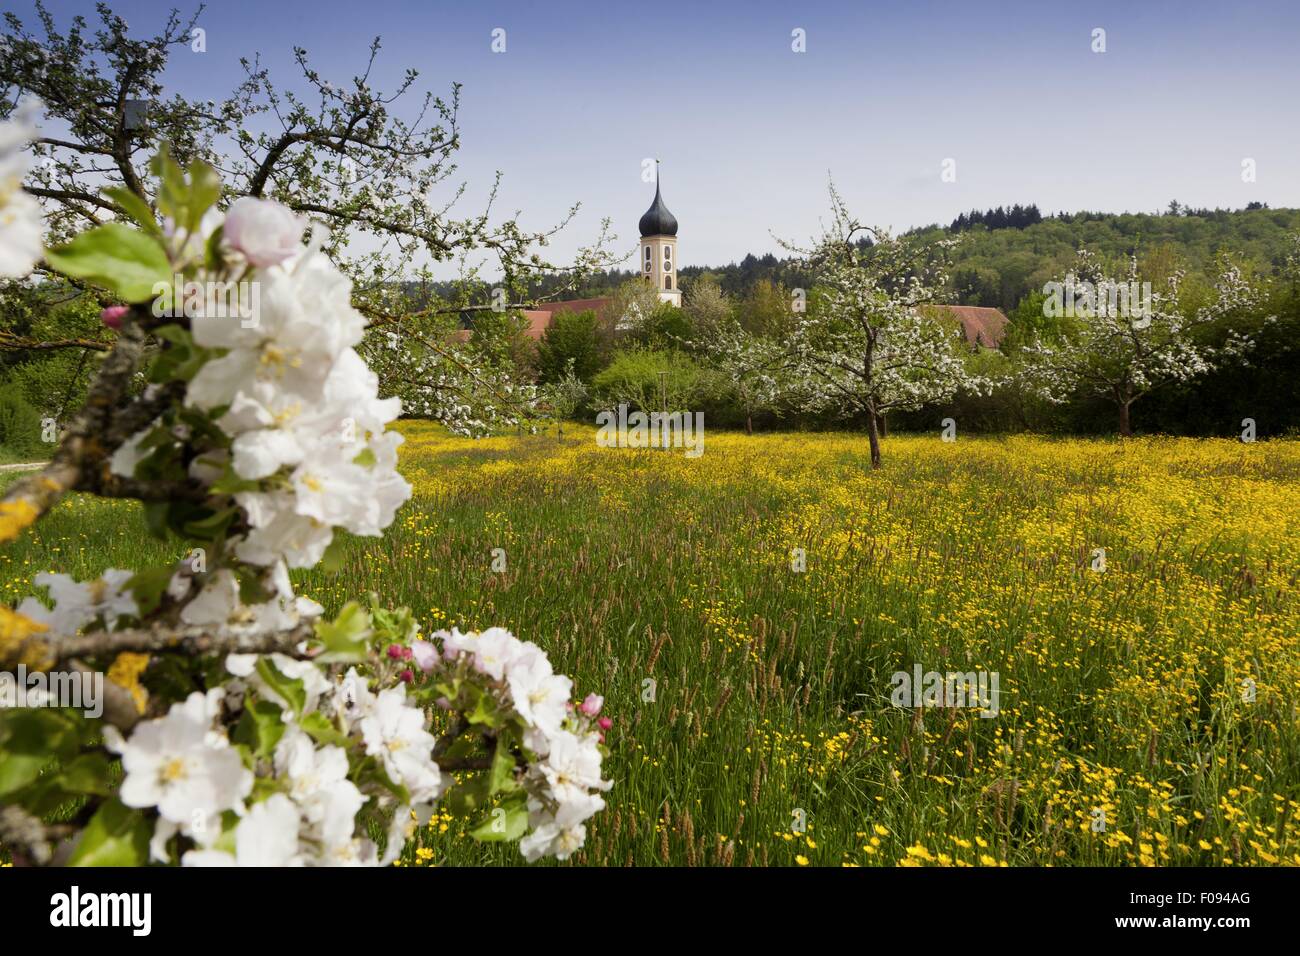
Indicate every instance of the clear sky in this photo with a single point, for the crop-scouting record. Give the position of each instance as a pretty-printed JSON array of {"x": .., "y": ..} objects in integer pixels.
[{"x": 747, "y": 129}]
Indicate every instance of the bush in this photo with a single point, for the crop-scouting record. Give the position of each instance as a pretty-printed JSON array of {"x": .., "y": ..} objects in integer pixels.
[
  {"x": 20, "y": 424},
  {"x": 571, "y": 342},
  {"x": 633, "y": 377}
]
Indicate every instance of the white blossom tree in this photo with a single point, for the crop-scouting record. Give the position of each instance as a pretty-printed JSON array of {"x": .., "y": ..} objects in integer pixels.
[
  {"x": 866, "y": 345},
  {"x": 754, "y": 366},
  {"x": 375, "y": 166},
  {"x": 1120, "y": 344}
]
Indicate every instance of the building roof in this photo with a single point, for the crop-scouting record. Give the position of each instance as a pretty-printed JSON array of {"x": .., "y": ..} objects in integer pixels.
[
  {"x": 658, "y": 221},
  {"x": 538, "y": 320},
  {"x": 980, "y": 324}
]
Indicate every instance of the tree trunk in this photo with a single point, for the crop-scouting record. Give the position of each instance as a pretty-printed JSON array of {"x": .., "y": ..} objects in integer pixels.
[
  {"x": 874, "y": 434},
  {"x": 884, "y": 426},
  {"x": 749, "y": 424},
  {"x": 1125, "y": 426}
]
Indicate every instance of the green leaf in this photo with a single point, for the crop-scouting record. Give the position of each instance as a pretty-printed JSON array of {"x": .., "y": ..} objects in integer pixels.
[
  {"x": 506, "y": 822},
  {"x": 205, "y": 190},
  {"x": 365, "y": 458},
  {"x": 371, "y": 770},
  {"x": 501, "y": 776},
  {"x": 260, "y": 727},
  {"x": 135, "y": 207},
  {"x": 121, "y": 259},
  {"x": 484, "y": 712},
  {"x": 319, "y": 728},
  {"x": 292, "y": 691},
  {"x": 331, "y": 561},
  {"x": 147, "y": 587},
  {"x": 251, "y": 588},
  {"x": 86, "y": 774},
  {"x": 345, "y": 638},
  {"x": 212, "y": 254},
  {"x": 464, "y": 798},
  {"x": 18, "y": 770},
  {"x": 213, "y": 526},
  {"x": 30, "y": 740},
  {"x": 230, "y": 484},
  {"x": 183, "y": 359},
  {"x": 115, "y": 836},
  {"x": 172, "y": 190}
]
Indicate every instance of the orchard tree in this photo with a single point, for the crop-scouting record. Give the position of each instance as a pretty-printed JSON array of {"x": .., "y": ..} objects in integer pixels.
[
  {"x": 706, "y": 306},
  {"x": 241, "y": 725},
  {"x": 373, "y": 166},
  {"x": 867, "y": 346},
  {"x": 754, "y": 366},
  {"x": 1122, "y": 340}
]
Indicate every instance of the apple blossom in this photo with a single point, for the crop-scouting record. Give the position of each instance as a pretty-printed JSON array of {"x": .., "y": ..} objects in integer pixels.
[
  {"x": 264, "y": 232},
  {"x": 21, "y": 223}
]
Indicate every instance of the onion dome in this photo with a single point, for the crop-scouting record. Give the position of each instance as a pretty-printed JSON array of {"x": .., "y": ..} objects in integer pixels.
[{"x": 658, "y": 221}]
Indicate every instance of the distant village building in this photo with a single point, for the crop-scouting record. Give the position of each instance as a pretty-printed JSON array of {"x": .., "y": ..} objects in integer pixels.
[
  {"x": 658, "y": 260},
  {"x": 982, "y": 326}
]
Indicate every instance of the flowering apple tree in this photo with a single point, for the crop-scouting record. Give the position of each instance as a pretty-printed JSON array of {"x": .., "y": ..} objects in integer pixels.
[
  {"x": 754, "y": 365},
  {"x": 240, "y": 725},
  {"x": 868, "y": 346},
  {"x": 1123, "y": 344},
  {"x": 374, "y": 166}
]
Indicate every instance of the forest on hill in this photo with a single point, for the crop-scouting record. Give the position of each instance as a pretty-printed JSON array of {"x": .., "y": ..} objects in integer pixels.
[{"x": 1002, "y": 265}]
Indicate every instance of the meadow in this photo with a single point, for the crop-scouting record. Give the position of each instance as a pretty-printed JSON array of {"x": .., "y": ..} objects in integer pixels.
[{"x": 1147, "y": 704}]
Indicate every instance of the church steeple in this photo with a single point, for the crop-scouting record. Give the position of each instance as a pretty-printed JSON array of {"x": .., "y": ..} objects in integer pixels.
[{"x": 659, "y": 247}]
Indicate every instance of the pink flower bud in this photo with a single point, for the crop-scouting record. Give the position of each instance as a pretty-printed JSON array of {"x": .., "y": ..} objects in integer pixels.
[
  {"x": 406, "y": 653},
  {"x": 591, "y": 704},
  {"x": 113, "y": 315},
  {"x": 604, "y": 723},
  {"x": 443, "y": 703},
  {"x": 395, "y": 652},
  {"x": 407, "y": 677}
]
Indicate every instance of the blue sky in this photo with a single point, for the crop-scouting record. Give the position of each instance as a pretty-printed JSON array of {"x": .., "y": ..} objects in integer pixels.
[{"x": 747, "y": 129}]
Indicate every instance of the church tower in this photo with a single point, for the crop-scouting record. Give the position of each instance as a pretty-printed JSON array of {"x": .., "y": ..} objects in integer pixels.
[{"x": 659, "y": 248}]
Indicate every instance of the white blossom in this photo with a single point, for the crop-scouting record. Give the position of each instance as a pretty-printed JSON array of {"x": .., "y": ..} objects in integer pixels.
[
  {"x": 181, "y": 765},
  {"x": 22, "y": 226}
]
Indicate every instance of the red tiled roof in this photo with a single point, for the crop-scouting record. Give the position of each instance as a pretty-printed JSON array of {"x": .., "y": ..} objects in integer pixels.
[
  {"x": 981, "y": 325},
  {"x": 539, "y": 319}
]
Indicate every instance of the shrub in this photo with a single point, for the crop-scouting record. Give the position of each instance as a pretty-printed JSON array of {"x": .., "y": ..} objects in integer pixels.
[
  {"x": 633, "y": 377},
  {"x": 571, "y": 342},
  {"x": 20, "y": 424}
]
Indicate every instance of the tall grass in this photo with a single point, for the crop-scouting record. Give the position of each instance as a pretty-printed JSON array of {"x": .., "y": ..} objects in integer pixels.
[{"x": 1146, "y": 711}]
